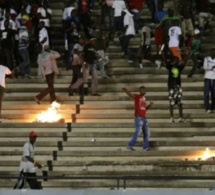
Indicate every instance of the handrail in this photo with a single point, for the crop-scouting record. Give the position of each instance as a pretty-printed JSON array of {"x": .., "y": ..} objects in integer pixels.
[{"x": 118, "y": 178}]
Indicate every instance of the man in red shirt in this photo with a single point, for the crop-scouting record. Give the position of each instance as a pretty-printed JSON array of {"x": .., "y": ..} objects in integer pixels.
[
  {"x": 139, "y": 118},
  {"x": 135, "y": 7}
]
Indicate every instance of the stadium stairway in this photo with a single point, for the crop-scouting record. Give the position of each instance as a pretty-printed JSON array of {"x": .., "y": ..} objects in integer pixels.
[{"x": 92, "y": 141}]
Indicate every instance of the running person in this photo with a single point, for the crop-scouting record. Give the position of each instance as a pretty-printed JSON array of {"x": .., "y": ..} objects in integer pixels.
[
  {"x": 28, "y": 164},
  {"x": 140, "y": 118}
]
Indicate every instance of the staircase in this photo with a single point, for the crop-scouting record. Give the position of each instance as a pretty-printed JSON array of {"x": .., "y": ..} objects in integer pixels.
[{"x": 92, "y": 141}]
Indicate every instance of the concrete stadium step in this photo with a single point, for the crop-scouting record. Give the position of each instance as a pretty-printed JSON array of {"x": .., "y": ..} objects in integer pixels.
[
  {"x": 93, "y": 142},
  {"x": 130, "y": 184}
]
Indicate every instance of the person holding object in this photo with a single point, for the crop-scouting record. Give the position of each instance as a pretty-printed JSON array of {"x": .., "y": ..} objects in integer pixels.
[
  {"x": 28, "y": 164},
  {"x": 174, "y": 86},
  {"x": 140, "y": 117},
  {"x": 3, "y": 72},
  {"x": 49, "y": 70}
]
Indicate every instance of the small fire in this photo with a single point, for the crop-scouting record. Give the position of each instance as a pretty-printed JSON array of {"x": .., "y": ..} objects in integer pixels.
[
  {"x": 207, "y": 154},
  {"x": 51, "y": 115}
]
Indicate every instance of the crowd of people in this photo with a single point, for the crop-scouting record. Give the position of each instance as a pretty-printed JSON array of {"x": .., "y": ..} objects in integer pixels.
[{"x": 26, "y": 36}]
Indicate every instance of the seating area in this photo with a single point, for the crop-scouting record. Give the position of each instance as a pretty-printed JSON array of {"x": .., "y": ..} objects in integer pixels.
[{"x": 92, "y": 141}]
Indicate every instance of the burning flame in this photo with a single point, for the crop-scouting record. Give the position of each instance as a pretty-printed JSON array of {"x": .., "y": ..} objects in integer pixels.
[
  {"x": 207, "y": 154},
  {"x": 51, "y": 115}
]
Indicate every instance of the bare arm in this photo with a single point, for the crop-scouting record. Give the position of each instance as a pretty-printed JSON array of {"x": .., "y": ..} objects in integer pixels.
[
  {"x": 128, "y": 92},
  {"x": 34, "y": 162},
  {"x": 149, "y": 106}
]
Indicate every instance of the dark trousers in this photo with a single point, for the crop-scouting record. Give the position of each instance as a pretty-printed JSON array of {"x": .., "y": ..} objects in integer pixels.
[
  {"x": 50, "y": 90},
  {"x": 7, "y": 57},
  {"x": 1, "y": 97},
  {"x": 209, "y": 88},
  {"x": 124, "y": 41},
  {"x": 86, "y": 22},
  {"x": 197, "y": 63},
  {"x": 76, "y": 75},
  {"x": 144, "y": 52},
  {"x": 33, "y": 183},
  {"x": 118, "y": 23}
]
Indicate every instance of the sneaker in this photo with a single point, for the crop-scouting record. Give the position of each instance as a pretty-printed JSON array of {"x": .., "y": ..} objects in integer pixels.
[
  {"x": 130, "y": 148},
  {"x": 141, "y": 66},
  {"x": 130, "y": 61},
  {"x": 180, "y": 120},
  {"x": 171, "y": 120},
  {"x": 209, "y": 111},
  {"x": 36, "y": 100},
  {"x": 146, "y": 149},
  {"x": 158, "y": 63}
]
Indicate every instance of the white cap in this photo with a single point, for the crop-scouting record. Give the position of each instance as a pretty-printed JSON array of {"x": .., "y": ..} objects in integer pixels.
[
  {"x": 12, "y": 11},
  {"x": 196, "y": 31}
]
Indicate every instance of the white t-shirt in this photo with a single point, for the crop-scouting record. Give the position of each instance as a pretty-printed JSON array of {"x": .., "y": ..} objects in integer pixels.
[
  {"x": 25, "y": 165},
  {"x": 76, "y": 60},
  {"x": 42, "y": 34},
  {"x": 146, "y": 30},
  {"x": 119, "y": 6},
  {"x": 78, "y": 47},
  {"x": 11, "y": 26},
  {"x": 42, "y": 11},
  {"x": 129, "y": 21},
  {"x": 209, "y": 67},
  {"x": 3, "y": 72},
  {"x": 174, "y": 33},
  {"x": 67, "y": 12}
]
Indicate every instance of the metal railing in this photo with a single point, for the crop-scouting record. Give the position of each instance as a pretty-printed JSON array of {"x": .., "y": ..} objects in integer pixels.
[{"x": 117, "y": 178}]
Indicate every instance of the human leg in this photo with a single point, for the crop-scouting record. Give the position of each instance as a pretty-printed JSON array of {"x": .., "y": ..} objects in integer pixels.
[
  {"x": 213, "y": 95},
  {"x": 195, "y": 65},
  {"x": 146, "y": 133},
  {"x": 95, "y": 79},
  {"x": 1, "y": 97},
  {"x": 33, "y": 183},
  {"x": 133, "y": 139},
  {"x": 207, "y": 86}
]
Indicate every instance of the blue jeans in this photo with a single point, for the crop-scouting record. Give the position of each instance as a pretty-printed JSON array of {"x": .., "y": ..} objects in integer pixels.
[
  {"x": 136, "y": 19},
  {"x": 69, "y": 56},
  {"x": 25, "y": 64},
  {"x": 140, "y": 122},
  {"x": 209, "y": 87}
]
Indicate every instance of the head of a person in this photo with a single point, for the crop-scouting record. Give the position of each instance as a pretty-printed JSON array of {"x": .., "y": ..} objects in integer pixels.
[
  {"x": 160, "y": 6},
  {"x": 41, "y": 24},
  {"x": 6, "y": 24},
  {"x": 212, "y": 53},
  {"x": 175, "y": 61},
  {"x": 92, "y": 41},
  {"x": 47, "y": 48},
  {"x": 32, "y": 137},
  {"x": 175, "y": 22},
  {"x": 170, "y": 12},
  {"x": 73, "y": 13},
  {"x": 142, "y": 90},
  {"x": 45, "y": 4},
  {"x": 81, "y": 41}
]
